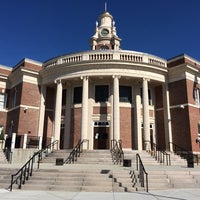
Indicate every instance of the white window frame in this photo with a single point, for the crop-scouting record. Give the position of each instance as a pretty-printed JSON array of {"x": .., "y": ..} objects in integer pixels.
[{"x": 3, "y": 100}]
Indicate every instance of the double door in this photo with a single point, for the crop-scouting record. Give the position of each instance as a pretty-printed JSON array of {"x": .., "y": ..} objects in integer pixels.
[{"x": 101, "y": 137}]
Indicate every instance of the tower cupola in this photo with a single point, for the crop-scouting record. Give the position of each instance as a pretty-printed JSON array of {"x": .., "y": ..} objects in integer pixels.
[{"x": 105, "y": 36}]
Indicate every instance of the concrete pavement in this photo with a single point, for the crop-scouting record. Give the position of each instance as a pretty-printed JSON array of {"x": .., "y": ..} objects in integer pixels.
[{"x": 176, "y": 194}]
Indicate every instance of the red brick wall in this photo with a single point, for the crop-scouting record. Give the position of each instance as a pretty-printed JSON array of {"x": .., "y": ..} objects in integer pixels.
[
  {"x": 178, "y": 92},
  {"x": 28, "y": 122},
  {"x": 159, "y": 97},
  {"x": 194, "y": 120},
  {"x": 48, "y": 124},
  {"x": 160, "y": 129},
  {"x": 101, "y": 110},
  {"x": 3, "y": 118},
  {"x": 75, "y": 125},
  {"x": 49, "y": 113},
  {"x": 50, "y": 98},
  {"x": 30, "y": 94},
  {"x": 32, "y": 66},
  {"x": 126, "y": 127},
  {"x": 5, "y": 71},
  {"x": 181, "y": 127}
]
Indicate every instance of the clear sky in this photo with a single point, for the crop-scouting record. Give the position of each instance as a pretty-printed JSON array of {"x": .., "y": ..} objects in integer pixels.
[{"x": 43, "y": 29}]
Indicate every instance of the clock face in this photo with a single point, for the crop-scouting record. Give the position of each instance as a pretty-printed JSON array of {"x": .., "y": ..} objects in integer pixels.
[{"x": 104, "y": 32}]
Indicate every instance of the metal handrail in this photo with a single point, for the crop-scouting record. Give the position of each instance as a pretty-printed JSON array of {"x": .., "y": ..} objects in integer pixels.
[
  {"x": 23, "y": 174},
  {"x": 117, "y": 152},
  {"x": 161, "y": 155},
  {"x": 143, "y": 175},
  {"x": 76, "y": 151},
  {"x": 188, "y": 155}
]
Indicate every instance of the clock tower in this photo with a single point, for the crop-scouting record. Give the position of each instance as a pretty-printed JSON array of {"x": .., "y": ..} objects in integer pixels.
[{"x": 105, "y": 36}]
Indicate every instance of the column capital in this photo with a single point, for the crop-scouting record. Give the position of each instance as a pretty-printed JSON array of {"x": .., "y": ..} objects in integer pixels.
[
  {"x": 58, "y": 81},
  {"x": 146, "y": 79},
  {"x": 84, "y": 77},
  {"x": 116, "y": 76}
]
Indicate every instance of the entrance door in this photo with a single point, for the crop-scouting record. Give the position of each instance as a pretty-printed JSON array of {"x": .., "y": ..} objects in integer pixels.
[{"x": 101, "y": 138}]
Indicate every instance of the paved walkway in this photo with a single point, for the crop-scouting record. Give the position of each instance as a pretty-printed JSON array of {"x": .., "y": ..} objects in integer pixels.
[{"x": 180, "y": 194}]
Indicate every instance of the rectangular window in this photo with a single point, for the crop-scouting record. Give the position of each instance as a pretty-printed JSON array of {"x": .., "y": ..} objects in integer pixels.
[
  {"x": 199, "y": 129},
  {"x": 14, "y": 100},
  {"x": 77, "y": 95},
  {"x": 101, "y": 93},
  {"x": 3, "y": 100},
  {"x": 125, "y": 94},
  {"x": 196, "y": 95},
  {"x": 64, "y": 97}
]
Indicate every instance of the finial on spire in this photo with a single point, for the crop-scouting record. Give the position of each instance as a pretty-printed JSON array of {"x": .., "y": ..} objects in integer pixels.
[{"x": 105, "y": 7}]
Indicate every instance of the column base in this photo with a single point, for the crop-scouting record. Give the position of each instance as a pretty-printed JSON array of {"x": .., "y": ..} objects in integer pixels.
[{"x": 147, "y": 146}]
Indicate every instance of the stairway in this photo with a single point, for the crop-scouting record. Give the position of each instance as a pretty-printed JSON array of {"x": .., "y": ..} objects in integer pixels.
[
  {"x": 98, "y": 157},
  {"x": 162, "y": 177},
  {"x": 51, "y": 157},
  {"x": 95, "y": 172},
  {"x": 5, "y": 176}
]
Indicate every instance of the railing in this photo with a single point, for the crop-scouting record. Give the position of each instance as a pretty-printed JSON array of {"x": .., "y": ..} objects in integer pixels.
[
  {"x": 143, "y": 175},
  {"x": 109, "y": 55},
  {"x": 161, "y": 155},
  {"x": 75, "y": 153},
  {"x": 26, "y": 170},
  {"x": 189, "y": 156},
  {"x": 117, "y": 152}
]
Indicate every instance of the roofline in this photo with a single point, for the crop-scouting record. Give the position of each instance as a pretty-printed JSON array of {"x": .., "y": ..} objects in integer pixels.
[
  {"x": 27, "y": 60},
  {"x": 6, "y": 67},
  {"x": 183, "y": 55}
]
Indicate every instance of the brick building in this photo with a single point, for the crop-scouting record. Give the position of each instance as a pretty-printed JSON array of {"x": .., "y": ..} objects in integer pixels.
[{"x": 103, "y": 94}]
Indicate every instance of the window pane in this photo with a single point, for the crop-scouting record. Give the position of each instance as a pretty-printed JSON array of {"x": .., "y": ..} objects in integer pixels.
[
  {"x": 64, "y": 97},
  {"x": 77, "y": 94},
  {"x": 101, "y": 93},
  {"x": 2, "y": 101},
  {"x": 125, "y": 94}
]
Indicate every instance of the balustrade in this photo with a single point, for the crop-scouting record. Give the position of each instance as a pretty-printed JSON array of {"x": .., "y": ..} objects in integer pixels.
[{"x": 123, "y": 56}]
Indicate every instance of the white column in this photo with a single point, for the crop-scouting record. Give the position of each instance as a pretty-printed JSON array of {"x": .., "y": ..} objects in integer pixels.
[
  {"x": 167, "y": 117},
  {"x": 58, "y": 109},
  {"x": 111, "y": 119},
  {"x": 13, "y": 140},
  {"x": 40, "y": 142},
  {"x": 52, "y": 140},
  {"x": 41, "y": 114},
  {"x": 137, "y": 118},
  {"x": 4, "y": 141},
  {"x": 146, "y": 124},
  {"x": 116, "y": 111},
  {"x": 68, "y": 117},
  {"x": 25, "y": 141},
  {"x": 84, "y": 119}
]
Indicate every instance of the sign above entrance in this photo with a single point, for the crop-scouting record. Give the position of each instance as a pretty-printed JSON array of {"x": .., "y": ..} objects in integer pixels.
[{"x": 102, "y": 124}]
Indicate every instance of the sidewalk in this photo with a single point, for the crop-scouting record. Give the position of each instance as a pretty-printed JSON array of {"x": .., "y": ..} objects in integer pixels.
[{"x": 176, "y": 194}]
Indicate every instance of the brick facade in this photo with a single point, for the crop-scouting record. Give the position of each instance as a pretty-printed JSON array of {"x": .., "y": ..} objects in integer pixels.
[{"x": 23, "y": 109}]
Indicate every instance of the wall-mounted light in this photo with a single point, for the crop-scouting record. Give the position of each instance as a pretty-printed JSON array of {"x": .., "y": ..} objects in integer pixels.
[
  {"x": 182, "y": 106},
  {"x": 25, "y": 109}
]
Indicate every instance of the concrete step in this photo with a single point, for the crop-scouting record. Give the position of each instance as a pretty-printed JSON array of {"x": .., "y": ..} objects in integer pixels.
[{"x": 3, "y": 159}]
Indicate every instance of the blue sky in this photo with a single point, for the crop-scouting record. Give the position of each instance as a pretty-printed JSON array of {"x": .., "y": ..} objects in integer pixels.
[{"x": 42, "y": 29}]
